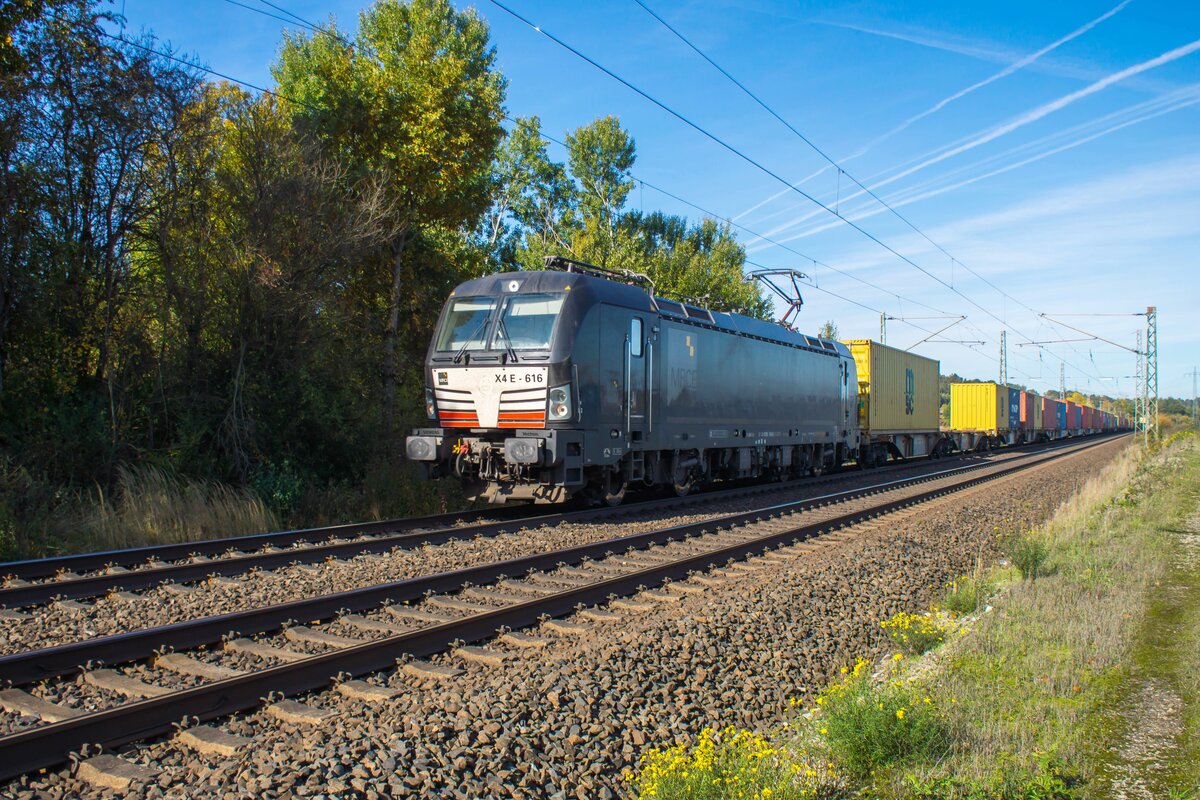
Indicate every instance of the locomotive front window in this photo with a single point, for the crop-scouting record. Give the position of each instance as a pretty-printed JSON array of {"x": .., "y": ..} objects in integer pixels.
[
  {"x": 527, "y": 322},
  {"x": 465, "y": 325}
]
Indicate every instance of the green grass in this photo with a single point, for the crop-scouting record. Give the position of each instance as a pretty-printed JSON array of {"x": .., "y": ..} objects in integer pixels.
[
  {"x": 1165, "y": 659},
  {"x": 1038, "y": 698},
  {"x": 1028, "y": 553},
  {"x": 1039, "y": 687},
  {"x": 966, "y": 594},
  {"x": 866, "y": 725}
]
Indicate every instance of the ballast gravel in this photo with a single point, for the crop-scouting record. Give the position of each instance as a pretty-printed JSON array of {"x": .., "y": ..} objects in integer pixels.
[
  {"x": 72, "y": 621},
  {"x": 569, "y": 720}
]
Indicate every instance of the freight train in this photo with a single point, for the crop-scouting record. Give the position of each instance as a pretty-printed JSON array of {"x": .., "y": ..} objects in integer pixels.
[{"x": 581, "y": 382}]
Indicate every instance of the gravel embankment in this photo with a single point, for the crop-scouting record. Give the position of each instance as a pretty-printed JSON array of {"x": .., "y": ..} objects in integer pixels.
[
  {"x": 569, "y": 720},
  {"x": 103, "y": 616}
]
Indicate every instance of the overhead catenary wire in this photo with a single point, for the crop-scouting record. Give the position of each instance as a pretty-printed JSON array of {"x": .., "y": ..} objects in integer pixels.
[
  {"x": 317, "y": 28},
  {"x": 330, "y": 32},
  {"x": 758, "y": 165},
  {"x": 954, "y": 261}
]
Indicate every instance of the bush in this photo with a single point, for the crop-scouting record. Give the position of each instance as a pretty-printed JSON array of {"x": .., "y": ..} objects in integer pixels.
[
  {"x": 916, "y": 633},
  {"x": 867, "y": 726},
  {"x": 963, "y": 595},
  {"x": 1028, "y": 554},
  {"x": 279, "y": 485}
]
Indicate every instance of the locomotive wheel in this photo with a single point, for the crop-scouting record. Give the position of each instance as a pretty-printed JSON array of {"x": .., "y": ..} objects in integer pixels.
[
  {"x": 683, "y": 489},
  {"x": 613, "y": 493}
]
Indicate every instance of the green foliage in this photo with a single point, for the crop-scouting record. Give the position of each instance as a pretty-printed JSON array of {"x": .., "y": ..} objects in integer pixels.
[
  {"x": 279, "y": 485},
  {"x": 1050, "y": 779},
  {"x": 868, "y": 726},
  {"x": 964, "y": 594},
  {"x": 1028, "y": 553}
]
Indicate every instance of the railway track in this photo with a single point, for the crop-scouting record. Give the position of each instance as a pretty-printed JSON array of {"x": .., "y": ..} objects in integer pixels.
[
  {"x": 39, "y": 581},
  {"x": 367, "y": 630}
]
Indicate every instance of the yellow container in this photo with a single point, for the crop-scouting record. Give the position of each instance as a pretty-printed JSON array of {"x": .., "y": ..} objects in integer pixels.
[
  {"x": 979, "y": 407},
  {"x": 897, "y": 391},
  {"x": 1037, "y": 412}
]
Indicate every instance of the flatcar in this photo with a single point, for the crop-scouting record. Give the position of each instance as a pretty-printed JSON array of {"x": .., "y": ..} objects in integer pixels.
[{"x": 544, "y": 385}]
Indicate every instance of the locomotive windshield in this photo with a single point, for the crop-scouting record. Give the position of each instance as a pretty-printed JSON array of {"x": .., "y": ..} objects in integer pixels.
[
  {"x": 465, "y": 325},
  {"x": 527, "y": 322}
]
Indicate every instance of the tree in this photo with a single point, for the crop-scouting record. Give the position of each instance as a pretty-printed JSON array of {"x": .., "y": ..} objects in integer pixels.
[
  {"x": 601, "y": 157},
  {"x": 829, "y": 330},
  {"x": 248, "y": 261},
  {"x": 413, "y": 98},
  {"x": 534, "y": 197},
  {"x": 547, "y": 209}
]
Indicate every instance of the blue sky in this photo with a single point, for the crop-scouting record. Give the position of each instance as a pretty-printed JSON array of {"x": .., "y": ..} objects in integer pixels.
[{"x": 1052, "y": 148}]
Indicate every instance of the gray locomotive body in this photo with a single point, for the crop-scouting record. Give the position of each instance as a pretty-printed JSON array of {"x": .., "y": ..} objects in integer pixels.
[{"x": 544, "y": 385}]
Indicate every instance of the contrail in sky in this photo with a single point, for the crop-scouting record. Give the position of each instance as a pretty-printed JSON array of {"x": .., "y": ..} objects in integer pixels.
[
  {"x": 1049, "y": 108},
  {"x": 938, "y": 106},
  {"x": 1027, "y": 118},
  {"x": 1009, "y": 70},
  {"x": 1184, "y": 98}
]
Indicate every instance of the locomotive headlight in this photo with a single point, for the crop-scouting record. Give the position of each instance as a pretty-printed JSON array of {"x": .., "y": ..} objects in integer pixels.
[
  {"x": 560, "y": 402},
  {"x": 420, "y": 448},
  {"x": 522, "y": 451},
  {"x": 430, "y": 408}
]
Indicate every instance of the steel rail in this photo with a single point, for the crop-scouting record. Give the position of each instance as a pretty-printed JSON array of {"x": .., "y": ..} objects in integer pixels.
[
  {"x": 61, "y": 660},
  {"x": 95, "y": 585},
  {"x": 53, "y": 743},
  {"x": 413, "y": 531},
  {"x": 87, "y": 562}
]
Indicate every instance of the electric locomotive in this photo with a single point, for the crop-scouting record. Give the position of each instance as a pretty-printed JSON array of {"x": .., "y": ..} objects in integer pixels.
[{"x": 543, "y": 385}]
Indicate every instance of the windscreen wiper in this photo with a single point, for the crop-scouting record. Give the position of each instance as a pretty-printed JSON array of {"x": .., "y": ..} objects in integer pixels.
[
  {"x": 458, "y": 355},
  {"x": 508, "y": 346}
]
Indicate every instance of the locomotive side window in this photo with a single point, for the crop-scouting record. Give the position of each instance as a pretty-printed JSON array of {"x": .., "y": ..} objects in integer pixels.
[
  {"x": 528, "y": 321},
  {"x": 465, "y": 325},
  {"x": 636, "y": 337}
]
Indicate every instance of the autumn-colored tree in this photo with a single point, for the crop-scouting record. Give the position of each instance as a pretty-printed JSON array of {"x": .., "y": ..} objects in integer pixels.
[
  {"x": 829, "y": 330},
  {"x": 412, "y": 97}
]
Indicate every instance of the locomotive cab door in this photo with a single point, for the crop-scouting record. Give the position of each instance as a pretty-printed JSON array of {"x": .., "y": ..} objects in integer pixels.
[
  {"x": 624, "y": 357},
  {"x": 636, "y": 397}
]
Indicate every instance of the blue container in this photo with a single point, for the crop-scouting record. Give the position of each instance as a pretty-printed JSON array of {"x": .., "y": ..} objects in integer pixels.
[
  {"x": 1061, "y": 407},
  {"x": 1014, "y": 408}
]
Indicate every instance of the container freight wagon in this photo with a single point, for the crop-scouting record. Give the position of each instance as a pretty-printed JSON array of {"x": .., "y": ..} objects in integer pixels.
[
  {"x": 1014, "y": 414},
  {"x": 898, "y": 402},
  {"x": 1060, "y": 417},
  {"x": 1048, "y": 416},
  {"x": 981, "y": 415},
  {"x": 1030, "y": 406},
  {"x": 1073, "y": 418}
]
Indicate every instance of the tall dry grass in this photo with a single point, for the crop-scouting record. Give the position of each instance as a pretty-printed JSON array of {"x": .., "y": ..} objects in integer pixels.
[{"x": 153, "y": 506}]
